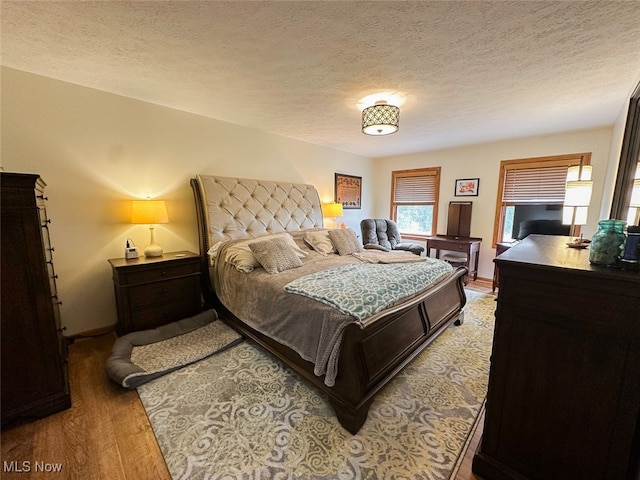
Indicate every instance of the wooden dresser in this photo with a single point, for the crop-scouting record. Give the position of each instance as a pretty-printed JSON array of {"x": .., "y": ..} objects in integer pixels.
[
  {"x": 34, "y": 370},
  {"x": 501, "y": 247},
  {"x": 564, "y": 386},
  {"x": 153, "y": 291}
]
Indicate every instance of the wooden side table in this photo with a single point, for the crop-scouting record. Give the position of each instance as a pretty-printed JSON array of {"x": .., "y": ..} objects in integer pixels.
[
  {"x": 157, "y": 290},
  {"x": 468, "y": 245}
]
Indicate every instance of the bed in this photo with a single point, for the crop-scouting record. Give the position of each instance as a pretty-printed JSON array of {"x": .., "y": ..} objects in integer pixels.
[{"x": 349, "y": 354}]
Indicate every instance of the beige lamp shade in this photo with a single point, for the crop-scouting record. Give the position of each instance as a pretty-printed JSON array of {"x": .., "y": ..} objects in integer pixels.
[
  {"x": 332, "y": 210},
  {"x": 577, "y": 196},
  {"x": 576, "y": 202},
  {"x": 578, "y": 172},
  {"x": 578, "y": 193},
  {"x": 150, "y": 212},
  {"x": 574, "y": 215}
]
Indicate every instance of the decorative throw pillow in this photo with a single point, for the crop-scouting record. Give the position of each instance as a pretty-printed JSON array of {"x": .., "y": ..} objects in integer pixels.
[
  {"x": 275, "y": 255},
  {"x": 345, "y": 241},
  {"x": 320, "y": 242},
  {"x": 240, "y": 255}
]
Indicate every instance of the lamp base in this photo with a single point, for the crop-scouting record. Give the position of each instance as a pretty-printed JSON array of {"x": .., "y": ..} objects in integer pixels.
[{"x": 153, "y": 250}]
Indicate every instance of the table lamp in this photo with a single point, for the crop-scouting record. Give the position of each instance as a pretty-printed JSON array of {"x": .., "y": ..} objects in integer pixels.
[
  {"x": 332, "y": 210},
  {"x": 577, "y": 197},
  {"x": 150, "y": 212}
]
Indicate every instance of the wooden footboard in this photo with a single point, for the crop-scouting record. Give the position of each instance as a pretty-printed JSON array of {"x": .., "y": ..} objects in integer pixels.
[
  {"x": 377, "y": 353},
  {"x": 371, "y": 356}
]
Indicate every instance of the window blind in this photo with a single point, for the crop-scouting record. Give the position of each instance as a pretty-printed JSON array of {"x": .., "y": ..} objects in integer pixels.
[
  {"x": 534, "y": 185},
  {"x": 414, "y": 189}
]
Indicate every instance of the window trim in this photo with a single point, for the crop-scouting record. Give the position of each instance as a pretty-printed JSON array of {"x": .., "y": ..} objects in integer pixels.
[
  {"x": 417, "y": 172},
  {"x": 533, "y": 162}
]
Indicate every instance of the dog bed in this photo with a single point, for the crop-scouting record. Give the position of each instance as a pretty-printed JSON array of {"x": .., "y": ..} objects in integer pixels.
[{"x": 139, "y": 357}]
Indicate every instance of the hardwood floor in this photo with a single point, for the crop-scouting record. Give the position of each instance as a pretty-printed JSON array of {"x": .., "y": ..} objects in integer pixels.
[{"x": 106, "y": 433}]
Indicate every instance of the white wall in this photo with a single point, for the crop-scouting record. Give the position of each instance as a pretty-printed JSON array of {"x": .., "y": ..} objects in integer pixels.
[
  {"x": 483, "y": 162},
  {"x": 96, "y": 151}
]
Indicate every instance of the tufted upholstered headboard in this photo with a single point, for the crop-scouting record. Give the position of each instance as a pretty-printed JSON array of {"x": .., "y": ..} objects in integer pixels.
[{"x": 233, "y": 208}]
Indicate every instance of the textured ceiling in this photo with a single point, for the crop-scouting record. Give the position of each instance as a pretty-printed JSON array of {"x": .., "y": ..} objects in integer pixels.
[{"x": 470, "y": 71}]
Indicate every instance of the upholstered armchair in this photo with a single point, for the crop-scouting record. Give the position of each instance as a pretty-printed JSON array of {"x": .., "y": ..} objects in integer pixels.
[{"x": 383, "y": 234}]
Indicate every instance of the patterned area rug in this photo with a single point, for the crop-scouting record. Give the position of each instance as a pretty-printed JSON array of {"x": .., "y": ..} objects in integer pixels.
[{"x": 241, "y": 415}]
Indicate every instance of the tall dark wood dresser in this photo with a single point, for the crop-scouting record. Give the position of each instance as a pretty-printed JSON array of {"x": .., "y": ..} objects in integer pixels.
[
  {"x": 563, "y": 399},
  {"x": 34, "y": 375}
]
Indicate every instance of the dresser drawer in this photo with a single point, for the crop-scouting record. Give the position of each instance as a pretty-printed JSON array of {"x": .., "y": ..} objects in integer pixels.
[
  {"x": 169, "y": 291},
  {"x": 162, "y": 272}
]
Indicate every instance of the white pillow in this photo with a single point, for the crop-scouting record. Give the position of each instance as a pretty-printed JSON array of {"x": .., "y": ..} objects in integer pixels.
[
  {"x": 240, "y": 255},
  {"x": 320, "y": 242}
]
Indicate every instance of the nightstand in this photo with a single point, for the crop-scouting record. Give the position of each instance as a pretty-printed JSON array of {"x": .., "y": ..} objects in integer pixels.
[{"x": 153, "y": 291}]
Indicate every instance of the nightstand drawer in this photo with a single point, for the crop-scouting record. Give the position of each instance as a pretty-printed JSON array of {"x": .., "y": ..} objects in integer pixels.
[
  {"x": 156, "y": 315},
  {"x": 161, "y": 273},
  {"x": 154, "y": 291},
  {"x": 169, "y": 291}
]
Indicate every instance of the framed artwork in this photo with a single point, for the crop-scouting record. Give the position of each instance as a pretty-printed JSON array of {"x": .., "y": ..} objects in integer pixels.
[
  {"x": 467, "y": 187},
  {"x": 348, "y": 190}
]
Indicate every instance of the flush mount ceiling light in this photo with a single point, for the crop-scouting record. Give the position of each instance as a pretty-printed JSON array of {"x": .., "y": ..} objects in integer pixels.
[{"x": 380, "y": 119}]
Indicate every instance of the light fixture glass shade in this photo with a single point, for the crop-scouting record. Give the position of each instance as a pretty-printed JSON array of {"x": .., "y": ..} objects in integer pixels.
[
  {"x": 332, "y": 210},
  {"x": 380, "y": 119},
  {"x": 578, "y": 193},
  {"x": 150, "y": 212}
]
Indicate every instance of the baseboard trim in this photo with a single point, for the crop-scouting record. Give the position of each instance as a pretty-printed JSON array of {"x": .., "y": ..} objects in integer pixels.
[{"x": 96, "y": 332}]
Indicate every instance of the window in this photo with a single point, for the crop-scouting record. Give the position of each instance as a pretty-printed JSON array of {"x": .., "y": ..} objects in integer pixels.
[
  {"x": 532, "y": 189},
  {"x": 414, "y": 200}
]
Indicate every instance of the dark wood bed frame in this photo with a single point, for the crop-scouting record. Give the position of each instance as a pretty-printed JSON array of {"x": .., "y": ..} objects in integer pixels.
[{"x": 374, "y": 354}]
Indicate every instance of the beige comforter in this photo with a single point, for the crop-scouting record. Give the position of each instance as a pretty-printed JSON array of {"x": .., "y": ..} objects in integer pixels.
[{"x": 312, "y": 329}]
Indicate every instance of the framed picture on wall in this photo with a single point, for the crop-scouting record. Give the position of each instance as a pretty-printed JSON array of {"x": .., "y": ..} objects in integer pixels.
[
  {"x": 467, "y": 187},
  {"x": 348, "y": 190}
]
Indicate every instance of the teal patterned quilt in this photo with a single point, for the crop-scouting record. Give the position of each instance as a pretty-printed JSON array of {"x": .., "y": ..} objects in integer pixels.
[{"x": 363, "y": 289}]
